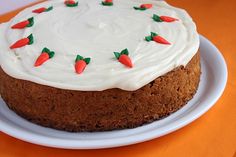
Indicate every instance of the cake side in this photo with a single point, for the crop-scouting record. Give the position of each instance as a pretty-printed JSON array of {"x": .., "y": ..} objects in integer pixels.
[{"x": 98, "y": 111}]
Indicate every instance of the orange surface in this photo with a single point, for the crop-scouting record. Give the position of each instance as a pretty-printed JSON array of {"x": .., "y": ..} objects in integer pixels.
[{"x": 212, "y": 135}]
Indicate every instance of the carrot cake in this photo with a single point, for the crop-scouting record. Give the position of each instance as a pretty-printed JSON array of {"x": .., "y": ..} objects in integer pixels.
[{"x": 93, "y": 65}]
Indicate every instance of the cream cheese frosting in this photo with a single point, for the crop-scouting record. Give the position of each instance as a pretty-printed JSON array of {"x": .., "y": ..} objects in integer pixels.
[{"x": 96, "y": 31}]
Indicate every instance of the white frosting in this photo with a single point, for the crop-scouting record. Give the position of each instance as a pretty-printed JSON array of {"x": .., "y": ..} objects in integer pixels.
[{"x": 96, "y": 31}]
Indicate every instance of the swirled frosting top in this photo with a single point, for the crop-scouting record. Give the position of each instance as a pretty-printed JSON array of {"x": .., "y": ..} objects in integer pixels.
[{"x": 96, "y": 31}]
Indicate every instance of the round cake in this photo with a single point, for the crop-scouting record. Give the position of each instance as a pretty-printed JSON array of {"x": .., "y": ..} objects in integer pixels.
[{"x": 92, "y": 65}]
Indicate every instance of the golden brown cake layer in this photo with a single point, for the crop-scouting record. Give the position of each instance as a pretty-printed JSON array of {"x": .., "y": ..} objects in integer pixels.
[{"x": 101, "y": 110}]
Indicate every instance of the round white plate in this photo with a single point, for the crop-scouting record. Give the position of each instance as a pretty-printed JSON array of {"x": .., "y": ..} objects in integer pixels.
[{"x": 212, "y": 84}]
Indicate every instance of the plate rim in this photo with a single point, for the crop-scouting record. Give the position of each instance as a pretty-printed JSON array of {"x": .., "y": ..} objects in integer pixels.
[{"x": 32, "y": 137}]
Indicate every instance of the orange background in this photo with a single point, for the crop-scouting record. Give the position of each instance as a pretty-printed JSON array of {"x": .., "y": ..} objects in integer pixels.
[{"x": 212, "y": 135}]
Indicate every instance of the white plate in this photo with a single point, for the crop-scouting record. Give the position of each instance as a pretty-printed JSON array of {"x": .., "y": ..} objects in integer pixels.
[{"x": 212, "y": 84}]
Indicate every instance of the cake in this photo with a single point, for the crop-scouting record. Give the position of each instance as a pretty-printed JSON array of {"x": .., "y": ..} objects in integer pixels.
[{"x": 93, "y": 65}]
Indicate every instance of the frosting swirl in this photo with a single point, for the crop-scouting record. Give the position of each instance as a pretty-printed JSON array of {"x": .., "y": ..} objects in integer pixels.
[{"x": 97, "y": 31}]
